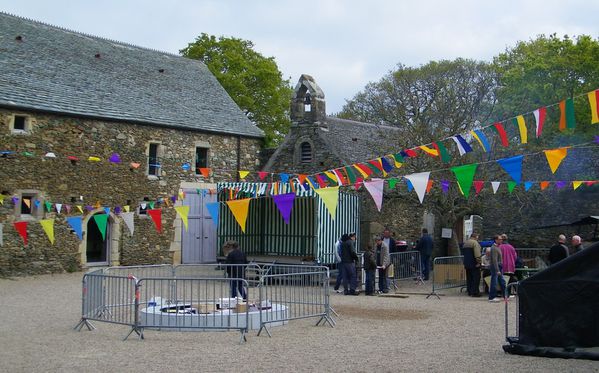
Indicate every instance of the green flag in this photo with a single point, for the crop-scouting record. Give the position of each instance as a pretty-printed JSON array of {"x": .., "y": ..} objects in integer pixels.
[
  {"x": 445, "y": 157},
  {"x": 101, "y": 220},
  {"x": 511, "y": 185},
  {"x": 392, "y": 183},
  {"x": 570, "y": 117},
  {"x": 351, "y": 175},
  {"x": 465, "y": 175}
]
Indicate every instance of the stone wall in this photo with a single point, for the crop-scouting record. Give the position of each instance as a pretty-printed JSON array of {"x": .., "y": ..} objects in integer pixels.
[{"x": 86, "y": 183}]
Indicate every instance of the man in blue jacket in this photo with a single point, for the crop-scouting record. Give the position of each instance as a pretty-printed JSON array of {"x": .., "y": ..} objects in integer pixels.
[{"x": 425, "y": 247}]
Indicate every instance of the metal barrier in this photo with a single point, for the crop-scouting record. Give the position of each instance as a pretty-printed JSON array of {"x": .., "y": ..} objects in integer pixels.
[
  {"x": 448, "y": 272},
  {"x": 200, "y": 297},
  {"x": 302, "y": 294},
  {"x": 406, "y": 266}
]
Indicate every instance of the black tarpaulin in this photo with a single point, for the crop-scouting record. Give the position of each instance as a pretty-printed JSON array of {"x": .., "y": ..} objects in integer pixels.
[{"x": 559, "y": 309}]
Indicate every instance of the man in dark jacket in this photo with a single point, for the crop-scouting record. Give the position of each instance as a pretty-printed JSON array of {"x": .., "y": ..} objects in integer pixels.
[
  {"x": 348, "y": 260},
  {"x": 389, "y": 241},
  {"x": 425, "y": 247},
  {"x": 472, "y": 260},
  {"x": 237, "y": 258},
  {"x": 558, "y": 251}
]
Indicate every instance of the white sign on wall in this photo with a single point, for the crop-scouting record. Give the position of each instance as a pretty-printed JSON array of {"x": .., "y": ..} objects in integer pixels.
[{"x": 445, "y": 232}]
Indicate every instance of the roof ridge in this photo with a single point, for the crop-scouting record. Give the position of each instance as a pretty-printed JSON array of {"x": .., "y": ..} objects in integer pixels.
[{"x": 101, "y": 38}]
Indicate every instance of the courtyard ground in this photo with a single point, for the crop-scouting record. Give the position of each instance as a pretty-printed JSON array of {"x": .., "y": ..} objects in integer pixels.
[{"x": 453, "y": 334}]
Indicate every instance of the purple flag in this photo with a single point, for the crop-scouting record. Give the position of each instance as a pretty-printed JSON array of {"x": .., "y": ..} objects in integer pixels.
[
  {"x": 445, "y": 185},
  {"x": 597, "y": 139},
  {"x": 560, "y": 184},
  {"x": 89, "y": 208},
  {"x": 115, "y": 158},
  {"x": 284, "y": 203},
  {"x": 117, "y": 210},
  {"x": 14, "y": 200}
]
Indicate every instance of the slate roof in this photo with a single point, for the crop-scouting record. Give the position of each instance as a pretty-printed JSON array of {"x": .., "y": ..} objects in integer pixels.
[
  {"x": 56, "y": 70},
  {"x": 354, "y": 141}
]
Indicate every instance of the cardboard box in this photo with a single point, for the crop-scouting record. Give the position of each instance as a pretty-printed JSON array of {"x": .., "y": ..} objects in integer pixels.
[
  {"x": 241, "y": 308},
  {"x": 205, "y": 307}
]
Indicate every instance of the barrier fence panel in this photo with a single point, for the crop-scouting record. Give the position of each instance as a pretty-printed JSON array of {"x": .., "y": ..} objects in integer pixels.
[
  {"x": 294, "y": 295},
  {"x": 250, "y": 272},
  {"x": 193, "y": 303},
  {"x": 159, "y": 270},
  {"x": 448, "y": 272},
  {"x": 108, "y": 299},
  {"x": 406, "y": 266}
]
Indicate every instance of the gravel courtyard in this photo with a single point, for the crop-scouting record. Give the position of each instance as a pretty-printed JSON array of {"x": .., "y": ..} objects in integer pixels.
[{"x": 453, "y": 334}]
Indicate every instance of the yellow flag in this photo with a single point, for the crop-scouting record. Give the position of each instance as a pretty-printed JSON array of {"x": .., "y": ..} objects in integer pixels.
[
  {"x": 2, "y": 196},
  {"x": 555, "y": 157},
  {"x": 181, "y": 195},
  {"x": 48, "y": 225},
  {"x": 27, "y": 201},
  {"x": 240, "y": 208},
  {"x": 243, "y": 174},
  {"x": 97, "y": 205},
  {"x": 576, "y": 184},
  {"x": 431, "y": 151},
  {"x": 80, "y": 208},
  {"x": 183, "y": 211},
  {"x": 522, "y": 128},
  {"x": 93, "y": 159},
  {"x": 126, "y": 208},
  {"x": 330, "y": 197},
  {"x": 593, "y": 103}
]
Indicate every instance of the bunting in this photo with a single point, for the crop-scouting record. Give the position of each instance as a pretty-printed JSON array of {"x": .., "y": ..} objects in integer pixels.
[
  {"x": 240, "y": 209},
  {"x": 465, "y": 174},
  {"x": 498, "y": 127},
  {"x": 392, "y": 183},
  {"x": 262, "y": 175},
  {"x": 510, "y": 186},
  {"x": 183, "y": 212},
  {"x": 75, "y": 223},
  {"x": 243, "y": 174},
  {"x": 101, "y": 222},
  {"x": 48, "y": 226},
  {"x": 375, "y": 188},
  {"x": 478, "y": 186},
  {"x": 284, "y": 203},
  {"x": 513, "y": 166},
  {"x": 527, "y": 185},
  {"x": 330, "y": 198},
  {"x": 128, "y": 218},
  {"x": 495, "y": 185},
  {"x": 555, "y": 157},
  {"x": 540, "y": 115},
  {"x": 522, "y": 128},
  {"x": 420, "y": 182},
  {"x": 462, "y": 144},
  {"x": 432, "y": 152},
  {"x": 21, "y": 227},
  {"x": 213, "y": 209},
  {"x": 482, "y": 140},
  {"x": 156, "y": 215},
  {"x": 544, "y": 184},
  {"x": 567, "y": 118},
  {"x": 445, "y": 158},
  {"x": 594, "y": 104}
]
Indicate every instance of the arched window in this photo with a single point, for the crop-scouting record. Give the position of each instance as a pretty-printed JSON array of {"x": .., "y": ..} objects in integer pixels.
[{"x": 305, "y": 152}]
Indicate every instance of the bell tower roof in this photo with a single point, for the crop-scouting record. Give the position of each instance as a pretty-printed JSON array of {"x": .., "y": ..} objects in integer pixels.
[{"x": 307, "y": 103}]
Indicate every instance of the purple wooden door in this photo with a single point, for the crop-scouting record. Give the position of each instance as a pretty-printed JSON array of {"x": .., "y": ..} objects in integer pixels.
[{"x": 199, "y": 242}]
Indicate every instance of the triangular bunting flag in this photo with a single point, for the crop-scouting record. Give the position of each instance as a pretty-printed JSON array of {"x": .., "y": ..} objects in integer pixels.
[
  {"x": 594, "y": 104},
  {"x": 2, "y": 196},
  {"x": 284, "y": 203},
  {"x": 560, "y": 184},
  {"x": 540, "y": 115},
  {"x": 156, "y": 215},
  {"x": 482, "y": 140},
  {"x": 48, "y": 225},
  {"x": 445, "y": 157},
  {"x": 330, "y": 198},
  {"x": 80, "y": 208},
  {"x": 409, "y": 185},
  {"x": 376, "y": 165},
  {"x": 375, "y": 188},
  {"x": 262, "y": 175},
  {"x": 58, "y": 207},
  {"x": 429, "y": 186},
  {"x": 213, "y": 208},
  {"x": 419, "y": 182},
  {"x": 115, "y": 158},
  {"x": 478, "y": 186},
  {"x": 465, "y": 174},
  {"x": 513, "y": 166},
  {"x": 128, "y": 219},
  {"x": 462, "y": 144},
  {"x": 555, "y": 157},
  {"x": 495, "y": 185},
  {"x": 576, "y": 184},
  {"x": 544, "y": 185},
  {"x": 398, "y": 160},
  {"x": 445, "y": 186},
  {"x": 392, "y": 183},
  {"x": 511, "y": 185},
  {"x": 386, "y": 165},
  {"x": 48, "y": 206},
  {"x": 183, "y": 211},
  {"x": 502, "y": 134},
  {"x": 75, "y": 223},
  {"x": 127, "y": 208},
  {"x": 519, "y": 120},
  {"x": 204, "y": 171},
  {"x": 284, "y": 178},
  {"x": 243, "y": 174},
  {"x": 101, "y": 221},
  {"x": 527, "y": 185},
  {"x": 68, "y": 208},
  {"x": 240, "y": 209},
  {"x": 21, "y": 227}
]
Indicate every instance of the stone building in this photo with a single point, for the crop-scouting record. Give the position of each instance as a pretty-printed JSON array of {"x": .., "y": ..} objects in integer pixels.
[{"x": 86, "y": 121}]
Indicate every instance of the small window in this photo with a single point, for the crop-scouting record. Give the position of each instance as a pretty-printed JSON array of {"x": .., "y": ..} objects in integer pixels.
[
  {"x": 26, "y": 205},
  {"x": 153, "y": 161},
  {"x": 201, "y": 158},
  {"x": 306, "y": 152},
  {"x": 143, "y": 207},
  {"x": 29, "y": 206},
  {"x": 20, "y": 124}
]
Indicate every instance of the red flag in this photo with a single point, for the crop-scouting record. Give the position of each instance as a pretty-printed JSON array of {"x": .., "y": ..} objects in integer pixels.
[
  {"x": 429, "y": 186},
  {"x": 377, "y": 164},
  {"x": 156, "y": 215},
  {"x": 262, "y": 174},
  {"x": 502, "y": 135},
  {"x": 204, "y": 171},
  {"x": 364, "y": 170},
  {"x": 478, "y": 185},
  {"x": 321, "y": 181},
  {"x": 358, "y": 183},
  {"x": 302, "y": 178},
  {"x": 339, "y": 173},
  {"x": 410, "y": 153},
  {"x": 21, "y": 227}
]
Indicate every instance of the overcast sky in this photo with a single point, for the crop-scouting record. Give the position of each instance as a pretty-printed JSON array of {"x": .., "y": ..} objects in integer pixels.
[{"x": 342, "y": 44}]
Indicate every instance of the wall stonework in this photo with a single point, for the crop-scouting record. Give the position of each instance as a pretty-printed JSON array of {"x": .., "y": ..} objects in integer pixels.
[{"x": 85, "y": 183}]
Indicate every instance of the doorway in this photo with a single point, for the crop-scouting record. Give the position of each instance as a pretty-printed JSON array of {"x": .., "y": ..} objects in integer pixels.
[
  {"x": 199, "y": 241},
  {"x": 97, "y": 247}
]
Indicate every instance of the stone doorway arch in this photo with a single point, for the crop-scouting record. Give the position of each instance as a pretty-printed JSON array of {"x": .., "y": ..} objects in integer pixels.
[{"x": 93, "y": 250}]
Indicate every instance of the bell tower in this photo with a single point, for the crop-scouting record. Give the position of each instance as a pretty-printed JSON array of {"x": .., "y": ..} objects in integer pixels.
[{"x": 307, "y": 103}]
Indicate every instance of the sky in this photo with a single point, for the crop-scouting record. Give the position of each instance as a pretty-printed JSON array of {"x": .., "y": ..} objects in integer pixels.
[{"x": 342, "y": 44}]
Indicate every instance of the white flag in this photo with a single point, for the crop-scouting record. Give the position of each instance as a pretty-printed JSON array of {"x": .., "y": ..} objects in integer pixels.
[{"x": 128, "y": 218}]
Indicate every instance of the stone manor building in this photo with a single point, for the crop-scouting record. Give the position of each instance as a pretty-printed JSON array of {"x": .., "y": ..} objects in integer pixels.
[{"x": 94, "y": 125}]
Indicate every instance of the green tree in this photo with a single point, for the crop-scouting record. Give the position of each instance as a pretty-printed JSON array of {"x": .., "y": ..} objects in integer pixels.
[
  {"x": 253, "y": 81},
  {"x": 544, "y": 71}
]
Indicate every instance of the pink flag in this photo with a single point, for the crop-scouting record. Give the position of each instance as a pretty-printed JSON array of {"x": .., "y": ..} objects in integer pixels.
[{"x": 375, "y": 188}]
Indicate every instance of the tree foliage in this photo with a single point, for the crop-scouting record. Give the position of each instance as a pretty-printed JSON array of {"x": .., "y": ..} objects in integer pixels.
[{"x": 253, "y": 81}]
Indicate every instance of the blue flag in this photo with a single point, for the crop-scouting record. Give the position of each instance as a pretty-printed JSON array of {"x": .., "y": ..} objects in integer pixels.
[
  {"x": 213, "y": 208},
  {"x": 513, "y": 166},
  {"x": 75, "y": 223}
]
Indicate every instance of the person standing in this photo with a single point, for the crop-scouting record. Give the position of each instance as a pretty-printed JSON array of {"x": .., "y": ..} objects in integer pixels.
[
  {"x": 495, "y": 267},
  {"x": 369, "y": 269},
  {"x": 425, "y": 247},
  {"x": 382, "y": 263},
  {"x": 389, "y": 241},
  {"x": 472, "y": 260},
  {"x": 339, "y": 279},
  {"x": 559, "y": 251},
  {"x": 348, "y": 261},
  {"x": 509, "y": 255},
  {"x": 236, "y": 270},
  {"x": 576, "y": 245}
]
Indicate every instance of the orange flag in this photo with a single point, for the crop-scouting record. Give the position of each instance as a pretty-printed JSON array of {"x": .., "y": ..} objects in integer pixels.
[
  {"x": 204, "y": 171},
  {"x": 544, "y": 185}
]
